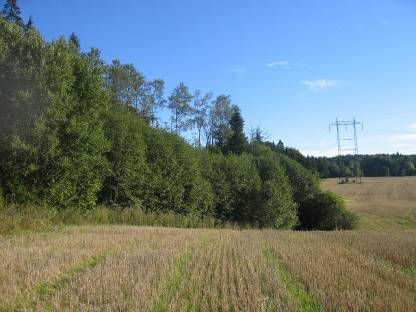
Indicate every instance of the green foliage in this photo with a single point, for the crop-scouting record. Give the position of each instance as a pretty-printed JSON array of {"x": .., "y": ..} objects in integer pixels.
[
  {"x": 237, "y": 142},
  {"x": 1, "y": 199},
  {"x": 53, "y": 140},
  {"x": 127, "y": 179},
  {"x": 250, "y": 189},
  {"x": 379, "y": 165},
  {"x": 11, "y": 12},
  {"x": 75, "y": 132},
  {"x": 180, "y": 105},
  {"x": 175, "y": 183},
  {"x": 15, "y": 219},
  {"x": 279, "y": 208},
  {"x": 326, "y": 211}
]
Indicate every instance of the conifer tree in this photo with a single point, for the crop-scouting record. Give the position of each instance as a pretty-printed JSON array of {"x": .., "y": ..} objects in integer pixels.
[
  {"x": 11, "y": 12},
  {"x": 29, "y": 24},
  {"x": 73, "y": 39},
  {"x": 237, "y": 143}
]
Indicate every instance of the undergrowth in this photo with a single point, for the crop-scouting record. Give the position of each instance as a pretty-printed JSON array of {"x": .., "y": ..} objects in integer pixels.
[{"x": 15, "y": 219}]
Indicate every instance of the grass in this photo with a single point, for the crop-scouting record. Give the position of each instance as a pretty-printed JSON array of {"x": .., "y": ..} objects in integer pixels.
[
  {"x": 129, "y": 268},
  {"x": 146, "y": 268},
  {"x": 307, "y": 302},
  {"x": 384, "y": 203},
  {"x": 15, "y": 219}
]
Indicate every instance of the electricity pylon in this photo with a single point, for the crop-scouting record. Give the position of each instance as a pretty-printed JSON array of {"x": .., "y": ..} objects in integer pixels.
[{"x": 342, "y": 150}]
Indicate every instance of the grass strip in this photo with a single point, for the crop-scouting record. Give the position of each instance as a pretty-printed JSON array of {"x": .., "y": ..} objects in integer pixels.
[
  {"x": 47, "y": 288},
  {"x": 177, "y": 276},
  {"x": 172, "y": 284},
  {"x": 307, "y": 302}
]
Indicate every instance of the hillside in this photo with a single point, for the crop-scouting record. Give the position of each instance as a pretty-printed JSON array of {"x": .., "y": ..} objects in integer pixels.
[{"x": 381, "y": 202}]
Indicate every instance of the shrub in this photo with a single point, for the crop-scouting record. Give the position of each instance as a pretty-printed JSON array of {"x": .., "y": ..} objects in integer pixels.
[
  {"x": 278, "y": 208},
  {"x": 125, "y": 183},
  {"x": 1, "y": 199},
  {"x": 249, "y": 189},
  {"x": 326, "y": 211}
]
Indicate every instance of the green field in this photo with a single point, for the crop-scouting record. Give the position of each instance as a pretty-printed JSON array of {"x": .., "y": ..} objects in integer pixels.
[{"x": 383, "y": 203}]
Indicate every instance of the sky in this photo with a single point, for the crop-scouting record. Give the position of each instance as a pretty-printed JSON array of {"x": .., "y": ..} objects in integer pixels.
[{"x": 292, "y": 67}]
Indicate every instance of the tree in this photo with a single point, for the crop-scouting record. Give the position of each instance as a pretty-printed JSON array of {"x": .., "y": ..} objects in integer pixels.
[
  {"x": 151, "y": 98},
  {"x": 94, "y": 57},
  {"x": 218, "y": 128},
  {"x": 237, "y": 143},
  {"x": 29, "y": 25},
  {"x": 125, "y": 83},
  {"x": 326, "y": 211},
  {"x": 11, "y": 12},
  {"x": 280, "y": 146},
  {"x": 258, "y": 135},
  {"x": 74, "y": 40},
  {"x": 200, "y": 112},
  {"x": 179, "y": 104}
]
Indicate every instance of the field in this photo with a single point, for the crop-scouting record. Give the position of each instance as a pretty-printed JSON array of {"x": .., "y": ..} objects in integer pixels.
[
  {"x": 127, "y": 268},
  {"x": 382, "y": 203}
]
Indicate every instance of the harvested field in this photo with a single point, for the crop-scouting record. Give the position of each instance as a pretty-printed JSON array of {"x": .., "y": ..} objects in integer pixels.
[
  {"x": 124, "y": 268},
  {"x": 382, "y": 203}
]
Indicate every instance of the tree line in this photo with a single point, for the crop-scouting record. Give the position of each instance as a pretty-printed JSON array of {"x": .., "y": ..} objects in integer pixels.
[
  {"x": 378, "y": 165},
  {"x": 76, "y": 132}
]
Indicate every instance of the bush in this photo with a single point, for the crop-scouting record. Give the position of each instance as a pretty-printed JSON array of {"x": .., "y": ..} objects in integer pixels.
[
  {"x": 251, "y": 190},
  {"x": 278, "y": 208},
  {"x": 326, "y": 211},
  {"x": 52, "y": 142},
  {"x": 174, "y": 181},
  {"x": 127, "y": 158},
  {"x": 1, "y": 199}
]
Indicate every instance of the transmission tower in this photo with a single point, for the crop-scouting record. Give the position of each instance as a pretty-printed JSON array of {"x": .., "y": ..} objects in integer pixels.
[{"x": 349, "y": 149}]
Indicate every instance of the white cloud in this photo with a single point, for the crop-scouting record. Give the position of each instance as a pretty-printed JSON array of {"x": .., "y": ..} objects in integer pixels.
[
  {"x": 412, "y": 126},
  {"x": 322, "y": 152},
  {"x": 238, "y": 69},
  {"x": 319, "y": 84},
  {"x": 404, "y": 143},
  {"x": 277, "y": 63},
  {"x": 285, "y": 64}
]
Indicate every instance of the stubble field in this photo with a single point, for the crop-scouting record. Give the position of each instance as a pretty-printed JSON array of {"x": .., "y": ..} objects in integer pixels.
[
  {"x": 384, "y": 203},
  {"x": 126, "y": 268}
]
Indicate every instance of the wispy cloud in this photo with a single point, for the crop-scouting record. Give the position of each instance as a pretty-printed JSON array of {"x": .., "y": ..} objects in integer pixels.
[
  {"x": 283, "y": 63},
  {"x": 404, "y": 142},
  {"x": 277, "y": 63},
  {"x": 238, "y": 69},
  {"x": 385, "y": 22},
  {"x": 321, "y": 152},
  {"x": 319, "y": 84}
]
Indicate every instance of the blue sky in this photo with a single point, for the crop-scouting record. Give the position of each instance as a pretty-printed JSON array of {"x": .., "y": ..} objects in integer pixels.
[{"x": 292, "y": 66}]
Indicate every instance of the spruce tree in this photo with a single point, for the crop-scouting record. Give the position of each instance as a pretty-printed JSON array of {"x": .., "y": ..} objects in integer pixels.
[
  {"x": 11, "y": 12},
  {"x": 237, "y": 143},
  {"x": 74, "y": 40},
  {"x": 29, "y": 24}
]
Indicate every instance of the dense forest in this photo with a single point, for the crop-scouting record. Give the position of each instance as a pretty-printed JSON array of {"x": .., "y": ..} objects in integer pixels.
[
  {"x": 379, "y": 165},
  {"x": 76, "y": 132}
]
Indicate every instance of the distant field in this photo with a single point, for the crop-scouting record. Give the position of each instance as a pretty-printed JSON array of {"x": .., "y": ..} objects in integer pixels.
[
  {"x": 126, "y": 268},
  {"x": 382, "y": 203}
]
